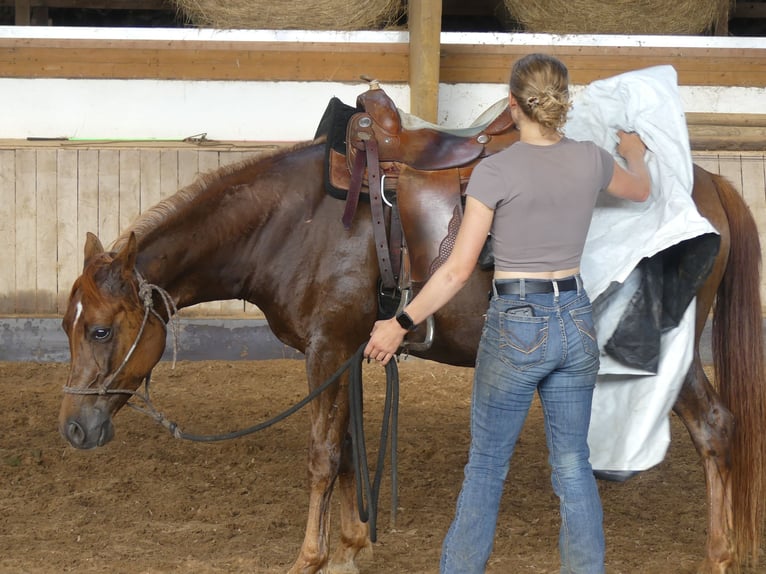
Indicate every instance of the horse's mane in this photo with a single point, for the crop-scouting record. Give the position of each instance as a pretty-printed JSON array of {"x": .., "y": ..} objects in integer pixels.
[{"x": 171, "y": 206}]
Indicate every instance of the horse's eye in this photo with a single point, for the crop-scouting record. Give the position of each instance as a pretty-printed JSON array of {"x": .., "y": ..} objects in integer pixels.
[{"x": 101, "y": 334}]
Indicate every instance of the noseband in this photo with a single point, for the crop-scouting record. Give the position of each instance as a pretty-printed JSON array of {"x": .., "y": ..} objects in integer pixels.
[{"x": 146, "y": 292}]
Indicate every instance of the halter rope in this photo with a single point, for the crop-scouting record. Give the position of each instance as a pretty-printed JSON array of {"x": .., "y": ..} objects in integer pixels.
[{"x": 146, "y": 295}]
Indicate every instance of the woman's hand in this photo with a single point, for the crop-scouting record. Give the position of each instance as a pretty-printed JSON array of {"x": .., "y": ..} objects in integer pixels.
[
  {"x": 385, "y": 340},
  {"x": 631, "y": 145}
]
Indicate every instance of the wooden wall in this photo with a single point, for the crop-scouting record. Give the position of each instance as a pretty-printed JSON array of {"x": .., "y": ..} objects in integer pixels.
[{"x": 54, "y": 193}]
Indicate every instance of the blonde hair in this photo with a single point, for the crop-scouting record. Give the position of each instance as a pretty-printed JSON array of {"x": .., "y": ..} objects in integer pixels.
[{"x": 540, "y": 84}]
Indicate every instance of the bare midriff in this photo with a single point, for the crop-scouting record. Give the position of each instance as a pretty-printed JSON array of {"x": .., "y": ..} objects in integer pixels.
[{"x": 560, "y": 274}]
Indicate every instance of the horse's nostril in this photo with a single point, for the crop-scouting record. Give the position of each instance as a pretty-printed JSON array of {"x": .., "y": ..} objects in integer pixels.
[
  {"x": 104, "y": 435},
  {"x": 75, "y": 433}
]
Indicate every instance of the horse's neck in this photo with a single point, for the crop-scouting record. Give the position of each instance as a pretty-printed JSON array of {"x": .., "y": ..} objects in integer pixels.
[{"x": 208, "y": 251}]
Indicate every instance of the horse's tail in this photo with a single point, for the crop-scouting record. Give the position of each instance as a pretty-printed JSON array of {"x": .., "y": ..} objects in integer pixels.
[{"x": 737, "y": 344}]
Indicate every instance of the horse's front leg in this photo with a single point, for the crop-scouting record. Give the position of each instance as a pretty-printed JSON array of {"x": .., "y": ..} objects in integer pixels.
[
  {"x": 710, "y": 425},
  {"x": 329, "y": 425},
  {"x": 355, "y": 534}
]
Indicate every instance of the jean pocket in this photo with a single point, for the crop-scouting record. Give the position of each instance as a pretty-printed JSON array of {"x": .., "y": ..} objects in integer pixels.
[
  {"x": 583, "y": 320},
  {"x": 523, "y": 340}
]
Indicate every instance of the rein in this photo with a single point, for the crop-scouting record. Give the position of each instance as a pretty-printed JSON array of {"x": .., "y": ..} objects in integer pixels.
[{"x": 365, "y": 489}]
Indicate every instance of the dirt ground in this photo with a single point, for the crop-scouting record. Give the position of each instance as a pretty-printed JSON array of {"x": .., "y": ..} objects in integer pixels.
[{"x": 148, "y": 503}]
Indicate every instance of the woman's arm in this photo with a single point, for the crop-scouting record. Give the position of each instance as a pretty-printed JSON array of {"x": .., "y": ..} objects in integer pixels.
[{"x": 635, "y": 183}]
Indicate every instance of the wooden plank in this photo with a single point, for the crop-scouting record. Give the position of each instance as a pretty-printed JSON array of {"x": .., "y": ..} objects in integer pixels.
[
  {"x": 8, "y": 231},
  {"x": 47, "y": 232},
  {"x": 26, "y": 232},
  {"x": 720, "y": 119},
  {"x": 754, "y": 188},
  {"x": 130, "y": 187},
  {"x": 754, "y": 182},
  {"x": 69, "y": 243},
  {"x": 263, "y": 61},
  {"x": 707, "y": 161},
  {"x": 188, "y": 171},
  {"x": 346, "y": 62},
  {"x": 87, "y": 196},
  {"x": 188, "y": 167},
  {"x": 109, "y": 194},
  {"x": 721, "y": 132},
  {"x": 150, "y": 178},
  {"x": 695, "y": 66},
  {"x": 168, "y": 172},
  {"x": 727, "y": 138},
  {"x": 730, "y": 166},
  {"x": 207, "y": 162}
]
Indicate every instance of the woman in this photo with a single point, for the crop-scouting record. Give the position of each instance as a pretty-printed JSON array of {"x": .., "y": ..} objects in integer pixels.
[{"x": 537, "y": 199}]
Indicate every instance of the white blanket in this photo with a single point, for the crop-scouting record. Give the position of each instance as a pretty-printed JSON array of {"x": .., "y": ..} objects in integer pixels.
[{"x": 630, "y": 425}]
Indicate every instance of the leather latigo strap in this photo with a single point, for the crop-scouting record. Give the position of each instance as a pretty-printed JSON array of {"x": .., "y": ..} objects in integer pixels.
[{"x": 378, "y": 216}]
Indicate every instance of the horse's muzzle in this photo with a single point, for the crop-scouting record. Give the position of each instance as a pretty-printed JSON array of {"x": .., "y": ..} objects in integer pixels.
[{"x": 90, "y": 430}]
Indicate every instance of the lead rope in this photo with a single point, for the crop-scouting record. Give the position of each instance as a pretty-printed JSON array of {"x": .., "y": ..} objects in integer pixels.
[{"x": 365, "y": 489}]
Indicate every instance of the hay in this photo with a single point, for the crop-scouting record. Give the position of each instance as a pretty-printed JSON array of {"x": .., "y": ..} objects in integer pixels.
[
  {"x": 681, "y": 17},
  {"x": 292, "y": 14}
]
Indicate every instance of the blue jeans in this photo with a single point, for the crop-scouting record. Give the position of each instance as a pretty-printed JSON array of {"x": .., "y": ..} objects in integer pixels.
[{"x": 552, "y": 350}]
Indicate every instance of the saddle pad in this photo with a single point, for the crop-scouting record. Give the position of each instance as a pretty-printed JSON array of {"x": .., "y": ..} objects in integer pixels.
[{"x": 332, "y": 126}]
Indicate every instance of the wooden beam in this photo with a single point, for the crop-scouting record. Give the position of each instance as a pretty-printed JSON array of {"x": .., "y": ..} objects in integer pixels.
[
  {"x": 480, "y": 63},
  {"x": 424, "y": 17},
  {"x": 257, "y": 61},
  {"x": 346, "y": 62}
]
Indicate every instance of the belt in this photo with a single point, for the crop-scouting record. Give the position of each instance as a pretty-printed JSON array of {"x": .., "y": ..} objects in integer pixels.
[{"x": 513, "y": 286}]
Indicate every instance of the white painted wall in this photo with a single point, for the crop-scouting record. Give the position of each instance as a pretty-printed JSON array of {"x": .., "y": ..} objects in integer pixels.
[{"x": 275, "y": 111}]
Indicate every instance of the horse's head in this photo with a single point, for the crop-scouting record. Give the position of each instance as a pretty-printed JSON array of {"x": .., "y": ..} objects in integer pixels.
[{"x": 115, "y": 339}]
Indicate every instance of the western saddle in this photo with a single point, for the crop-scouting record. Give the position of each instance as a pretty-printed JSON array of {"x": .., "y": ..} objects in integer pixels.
[{"x": 414, "y": 175}]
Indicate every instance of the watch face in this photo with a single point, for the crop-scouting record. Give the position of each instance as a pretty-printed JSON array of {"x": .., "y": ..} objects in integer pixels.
[{"x": 405, "y": 321}]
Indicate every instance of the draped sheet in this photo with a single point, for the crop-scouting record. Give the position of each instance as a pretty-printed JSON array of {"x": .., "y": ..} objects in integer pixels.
[{"x": 630, "y": 424}]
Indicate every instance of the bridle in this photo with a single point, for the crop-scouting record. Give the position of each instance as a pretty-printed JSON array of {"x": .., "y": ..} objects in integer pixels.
[{"x": 146, "y": 292}]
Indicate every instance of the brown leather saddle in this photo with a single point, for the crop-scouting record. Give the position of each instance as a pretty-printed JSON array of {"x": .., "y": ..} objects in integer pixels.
[{"x": 414, "y": 176}]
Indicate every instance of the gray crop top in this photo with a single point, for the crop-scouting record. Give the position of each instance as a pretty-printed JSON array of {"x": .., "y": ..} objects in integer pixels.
[{"x": 543, "y": 198}]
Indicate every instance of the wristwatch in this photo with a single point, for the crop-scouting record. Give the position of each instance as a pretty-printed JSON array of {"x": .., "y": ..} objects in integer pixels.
[{"x": 406, "y": 321}]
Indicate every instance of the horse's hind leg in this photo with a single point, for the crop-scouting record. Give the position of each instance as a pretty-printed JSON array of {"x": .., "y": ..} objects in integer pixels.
[{"x": 710, "y": 425}]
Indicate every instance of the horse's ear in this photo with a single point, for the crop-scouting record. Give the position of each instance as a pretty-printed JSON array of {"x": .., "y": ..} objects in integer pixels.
[
  {"x": 93, "y": 248},
  {"x": 126, "y": 257}
]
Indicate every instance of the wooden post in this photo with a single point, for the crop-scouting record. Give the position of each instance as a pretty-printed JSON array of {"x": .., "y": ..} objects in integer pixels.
[
  {"x": 425, "y": 18},
  {"x": 22, "y": 12}
]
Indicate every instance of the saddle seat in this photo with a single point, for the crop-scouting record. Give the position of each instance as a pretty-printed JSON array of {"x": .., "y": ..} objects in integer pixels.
[{"x": 407, "y": 139}]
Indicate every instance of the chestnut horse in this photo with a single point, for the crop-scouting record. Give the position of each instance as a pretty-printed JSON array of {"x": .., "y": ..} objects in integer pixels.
[{"x": 266, "y": 231}]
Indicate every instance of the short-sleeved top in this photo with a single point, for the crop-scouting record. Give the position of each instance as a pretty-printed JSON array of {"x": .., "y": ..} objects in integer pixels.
[{"x": 543, "y": 198}]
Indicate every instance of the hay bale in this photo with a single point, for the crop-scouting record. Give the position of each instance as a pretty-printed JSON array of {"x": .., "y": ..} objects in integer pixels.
[
  {"x": 292, "y": 14},
  {"x": 680, "y": 17}
]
